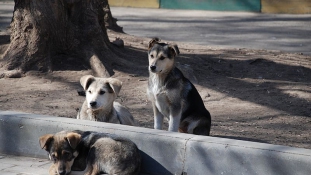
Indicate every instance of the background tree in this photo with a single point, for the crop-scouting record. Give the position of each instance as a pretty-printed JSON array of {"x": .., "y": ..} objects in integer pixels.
[{"x": 47, "y": 33}]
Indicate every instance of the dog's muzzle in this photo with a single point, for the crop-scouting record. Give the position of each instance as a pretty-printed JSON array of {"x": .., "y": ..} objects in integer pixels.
[
  {"x": 93, "y": 104},
  {"x": 62, "y": 172},
  {"x": 153, "y": 68}
]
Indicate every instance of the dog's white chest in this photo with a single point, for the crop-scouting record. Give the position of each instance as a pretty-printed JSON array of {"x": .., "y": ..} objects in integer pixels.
[{"x": 158, "y": 94}]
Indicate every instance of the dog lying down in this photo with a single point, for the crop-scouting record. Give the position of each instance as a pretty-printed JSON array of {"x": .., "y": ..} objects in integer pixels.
[
  {"x": 99, "y": 104},
  {"x": 91, "y": 153}
]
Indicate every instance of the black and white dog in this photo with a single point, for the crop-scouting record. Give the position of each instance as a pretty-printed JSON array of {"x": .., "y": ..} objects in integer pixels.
[{"x": 172, "y": 95}]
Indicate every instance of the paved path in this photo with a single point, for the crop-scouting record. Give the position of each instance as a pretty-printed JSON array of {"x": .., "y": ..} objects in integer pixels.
[
  {"x": 17, "y": 165},
  {"x": 20, "y": 165},
  {"x": 290, "y": 33},
  {"x": 6, "y": 13},
  {"x": 223, "y": 29}
]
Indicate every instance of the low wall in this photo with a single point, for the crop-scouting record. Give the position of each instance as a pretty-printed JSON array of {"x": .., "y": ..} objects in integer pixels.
[{"x": 163, "y": 152}]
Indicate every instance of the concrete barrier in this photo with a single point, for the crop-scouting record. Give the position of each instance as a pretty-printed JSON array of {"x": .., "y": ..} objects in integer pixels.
[{"x": 163, "y": 152}]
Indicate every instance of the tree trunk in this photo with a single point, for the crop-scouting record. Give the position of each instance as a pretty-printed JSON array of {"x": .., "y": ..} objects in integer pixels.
[
  {"x": 45, "y": 34},
  {"x": 110, "y": 22}
]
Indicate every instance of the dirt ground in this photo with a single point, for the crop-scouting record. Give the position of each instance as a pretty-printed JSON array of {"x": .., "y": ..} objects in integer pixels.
[{"x": 255, "y": 95}]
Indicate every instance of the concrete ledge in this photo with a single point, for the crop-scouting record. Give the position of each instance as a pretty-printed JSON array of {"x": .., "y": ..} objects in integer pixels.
[{"x": 163, "y": 152}]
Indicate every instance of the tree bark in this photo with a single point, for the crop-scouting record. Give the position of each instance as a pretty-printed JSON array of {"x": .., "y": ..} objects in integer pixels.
[
  {"x": 110, "y": 21},
  {"x": 46, "y": 33}
]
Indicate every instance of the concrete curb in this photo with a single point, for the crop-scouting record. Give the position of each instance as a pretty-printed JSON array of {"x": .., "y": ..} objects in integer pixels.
[{"x": 163, "y": 152}]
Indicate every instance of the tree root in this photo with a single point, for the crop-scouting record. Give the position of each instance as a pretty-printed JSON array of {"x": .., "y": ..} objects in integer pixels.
[
  {"x": 98, "y": 67},
  {"x": 11, "y": 74}
]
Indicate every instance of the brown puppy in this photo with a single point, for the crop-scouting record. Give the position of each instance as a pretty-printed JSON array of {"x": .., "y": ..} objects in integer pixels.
[{"x": 92, "y": 152}]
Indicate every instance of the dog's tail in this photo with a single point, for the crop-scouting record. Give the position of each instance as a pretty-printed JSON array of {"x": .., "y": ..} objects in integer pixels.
[
  {"x": 195, "y": 125},
  {"x": 124, "y": 116},
  {"x": 203, "y": 127}
]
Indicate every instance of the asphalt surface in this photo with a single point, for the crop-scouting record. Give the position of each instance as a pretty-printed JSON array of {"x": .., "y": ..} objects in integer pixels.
[
  {"x": 20, "y": 165},
  {"x": 284, "y": 32},
  {"x": 6, "y": 13}
]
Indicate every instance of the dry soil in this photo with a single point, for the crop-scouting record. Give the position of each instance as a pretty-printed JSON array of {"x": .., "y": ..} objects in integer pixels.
[{"x": 255, "y": 95}]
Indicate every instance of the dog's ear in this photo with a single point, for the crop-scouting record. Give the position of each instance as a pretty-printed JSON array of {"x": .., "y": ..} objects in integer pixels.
[
  {"x": 73, "y": 139},
  {"x": 86, "y": 81},
  {"x": 115, "y": 85},
  {"x": 152, "y": 42},
  {"x": 174, "y": 50},
  {"x": 45, "y": 141}
]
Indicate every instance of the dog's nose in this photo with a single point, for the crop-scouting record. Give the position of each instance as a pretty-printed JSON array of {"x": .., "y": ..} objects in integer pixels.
[
  {"x": 93, "y": 103},
  {"x": 153, "y": 67},
  {"x": 62, "y": 172}
]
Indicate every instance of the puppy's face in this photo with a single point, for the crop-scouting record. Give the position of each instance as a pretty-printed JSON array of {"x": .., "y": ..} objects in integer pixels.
[
  {"x": 161, "y": 56},
  {"x": 100, "y": 92},
  {"x": 61, "y": 148},
  {"x": 99, "y": 95}
]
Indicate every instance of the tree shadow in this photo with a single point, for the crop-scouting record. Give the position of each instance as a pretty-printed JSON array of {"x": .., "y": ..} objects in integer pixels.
[
  {"x": 267, "y": 79},
  {"x": 257, "y": 80},
  {"x": 251, "y": 78}
]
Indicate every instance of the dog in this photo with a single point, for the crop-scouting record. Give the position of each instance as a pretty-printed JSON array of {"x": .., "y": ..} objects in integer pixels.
[
  {"x": 91, "y": 153},
  {"x": 172, "y": 95},
  {"x": 99, "y": 104}
]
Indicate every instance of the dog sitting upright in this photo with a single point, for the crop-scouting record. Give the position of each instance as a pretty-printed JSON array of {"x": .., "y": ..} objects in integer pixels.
[
  {"x": 172, "y": 95},
  {"x": 91, "y": 153},
  {"x": 99, "y": 104}
]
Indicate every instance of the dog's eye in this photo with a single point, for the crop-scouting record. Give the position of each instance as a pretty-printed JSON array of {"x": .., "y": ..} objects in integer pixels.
[
  {"x": 67, "y": 154},
  {"x": 151, "y": 56},
  {"x": 54, "y": 158},
  {"x": 102, "y": 92},
  {"x": 162, "y": 58},
  {"x": 90, "y": 91}
]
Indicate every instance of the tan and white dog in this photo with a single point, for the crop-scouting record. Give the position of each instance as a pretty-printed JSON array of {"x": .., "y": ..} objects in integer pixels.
[{"x": 100, "y": 104}]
